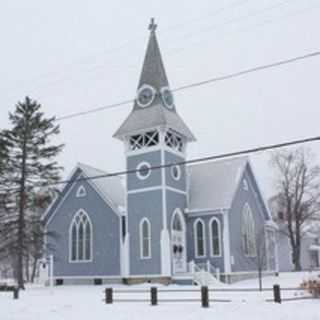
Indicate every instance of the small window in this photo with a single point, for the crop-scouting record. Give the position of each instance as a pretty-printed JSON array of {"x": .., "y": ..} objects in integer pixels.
[
  {"x": 81, "y": 192},
  {"x": 145, "y": 239},
  {"x": 245, "y": 185},
  {"x": 143, "y": 170},
  {"x": 176, "y": 172},
  {"x": 199, "y": 237}
]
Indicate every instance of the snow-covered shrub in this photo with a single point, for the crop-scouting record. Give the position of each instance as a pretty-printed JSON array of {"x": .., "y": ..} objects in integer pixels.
[{"x": 312, "y": 285}]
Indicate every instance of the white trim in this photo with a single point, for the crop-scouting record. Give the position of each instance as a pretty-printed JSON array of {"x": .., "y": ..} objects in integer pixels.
[
  {"x": 219, "y": 237},
  {"x": 81, "y": 192},
  {"x": 160, "y": 146},
  {"x": 138, "y": 168},
  {"x": 73, "y": 171},
  {"x": 165, "y": 247},
  {"x": 178, "y": 212},
  {"x": 210, "y": 210},
  {"x": 61, "y": 201},
  {"x": 71, "y": 242},
  {"x": 146, "y": 276},
  {"x": 226, "y": 243},
  {"x": 260, "y": 190},
  {"x": 178, "y": 177},
  {"x": 88, "y": 277},
  {"x": 176, "y": 190},
  {"x": 108, "y": 201},
  {"x": 169, "y": 106},
  {"x": 206, "y": 213},
  {"x": 195, "y": 237},
  {"x": 141, "y": 238},
  {"x": 156, "y": 188},
  {"x": 145, "y": 86}
]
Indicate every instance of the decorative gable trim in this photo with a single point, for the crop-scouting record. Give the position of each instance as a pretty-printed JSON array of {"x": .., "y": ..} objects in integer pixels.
[
  {"x": 81, "y": 192},
  {"x": 260, "y": 192},
  {"x": 72, "y": 183}
]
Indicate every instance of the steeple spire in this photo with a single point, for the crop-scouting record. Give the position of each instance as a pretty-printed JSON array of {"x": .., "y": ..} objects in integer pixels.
[
  {"x": 152, "y": 25},
  {"x": 153, "y": 72},
  {"x": 154, "y": 104}
]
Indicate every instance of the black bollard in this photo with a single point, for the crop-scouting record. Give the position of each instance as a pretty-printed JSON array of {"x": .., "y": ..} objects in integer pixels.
[
  {"x": 154, "y": 296},
  {"x": 109, "y": 295},
  {"x": 277, "y": 293},
  {"x": 205, "y": 297},
  {"x": 16, "y": 293}
]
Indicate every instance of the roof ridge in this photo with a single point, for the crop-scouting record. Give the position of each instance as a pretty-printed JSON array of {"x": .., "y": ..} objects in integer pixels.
[
  {"x": 231, "y": 159},
  {"x": 84, "y": 165}
]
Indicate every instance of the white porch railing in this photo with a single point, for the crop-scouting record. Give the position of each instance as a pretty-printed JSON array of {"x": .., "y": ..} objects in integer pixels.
[{"x": 204, "y": 273}]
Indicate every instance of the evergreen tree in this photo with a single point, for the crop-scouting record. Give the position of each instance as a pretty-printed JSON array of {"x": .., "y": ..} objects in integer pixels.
[{"x": 30, "y": 166}]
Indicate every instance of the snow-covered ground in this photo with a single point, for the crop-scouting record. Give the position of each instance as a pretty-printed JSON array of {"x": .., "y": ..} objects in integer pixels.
[{"x": 86, "y": 303}]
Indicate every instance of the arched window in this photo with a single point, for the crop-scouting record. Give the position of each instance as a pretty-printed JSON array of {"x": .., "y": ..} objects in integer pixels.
[
  {"x": 199, "y": 238},
  {"x": 248, "y": 232},
  {"x": 80, "y": 238},
  {"x": 176, "y": 222},
  {"x": 215, "y": 235},
  {"x": 145, "y": 239}
]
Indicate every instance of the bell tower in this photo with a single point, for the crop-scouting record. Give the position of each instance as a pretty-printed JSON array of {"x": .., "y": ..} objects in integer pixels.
[{"x": 154, "y": 135}]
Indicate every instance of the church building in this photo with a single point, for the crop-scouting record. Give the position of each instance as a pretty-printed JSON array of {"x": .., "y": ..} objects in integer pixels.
[{"x": 167, "y": 221}]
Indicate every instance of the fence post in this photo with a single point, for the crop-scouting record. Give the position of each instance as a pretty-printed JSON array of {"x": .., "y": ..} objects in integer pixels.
[
  {"x": 109, "y": 295},
  {"x": 277, "y": 293},
  {"x": 154, "y": 296},
  {"x": 15, "y": 293},
  {"x": 204, "y": 297}
]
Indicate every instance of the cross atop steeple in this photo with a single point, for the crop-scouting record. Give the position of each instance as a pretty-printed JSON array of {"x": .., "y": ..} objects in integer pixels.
[{"x": 152, "y": 26}]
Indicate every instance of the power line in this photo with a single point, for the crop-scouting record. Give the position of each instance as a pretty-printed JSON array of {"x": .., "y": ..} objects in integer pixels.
[
  {"x": 85, "y": 61},
  {"x": 193, "y": 161},
  {"x": 198, "y": 84}
]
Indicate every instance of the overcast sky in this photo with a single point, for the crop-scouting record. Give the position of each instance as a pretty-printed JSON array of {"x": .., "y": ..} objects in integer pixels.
[{"x": 76, "y": 55}]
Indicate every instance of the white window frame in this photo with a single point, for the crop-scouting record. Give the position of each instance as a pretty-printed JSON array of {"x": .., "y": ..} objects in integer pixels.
[
  {"x": 163, "y": 90},
  {"x": 73, "y": 221},
  {"x": 145, "y": 86},
  {"x": 195, "y": 233},
  {"x": 81, "y": 192},
  {"x": 248, "y": 228},
  {"x": 211, "y": 237},
  {"x": 179, "y": 172},
  {"x": 141, "y": 236},
  {"x": 138, "y": 173}
]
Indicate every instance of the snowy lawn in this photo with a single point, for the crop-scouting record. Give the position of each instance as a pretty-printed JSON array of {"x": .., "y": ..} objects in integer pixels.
[{"x": 86, "y": 303}]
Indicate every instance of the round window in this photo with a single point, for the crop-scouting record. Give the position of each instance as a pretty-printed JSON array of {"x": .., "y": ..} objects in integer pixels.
[
  {"x": 146, "y": 95},
  {"x": 144, "y": 170},
  {"x": 176, "y": 172}
]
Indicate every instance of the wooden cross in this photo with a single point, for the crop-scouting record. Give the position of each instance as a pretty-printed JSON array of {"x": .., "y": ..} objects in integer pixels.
[{"x": 152, "y": 25}]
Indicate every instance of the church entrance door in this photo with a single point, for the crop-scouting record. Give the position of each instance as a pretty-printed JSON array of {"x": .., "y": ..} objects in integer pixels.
[{"x": 178, "y": 242}]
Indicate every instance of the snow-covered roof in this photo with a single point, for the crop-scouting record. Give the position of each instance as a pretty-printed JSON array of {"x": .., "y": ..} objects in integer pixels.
[
  {"x": 111, "y": 187},
  {"x": 213, "y": 184},
  {"x": 153, "y": 117}
]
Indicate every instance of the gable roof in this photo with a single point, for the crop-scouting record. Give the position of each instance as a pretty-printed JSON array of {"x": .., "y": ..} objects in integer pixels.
[
  {"x": 212, "y": 185},
  {"x": 110, "y": 187}
]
